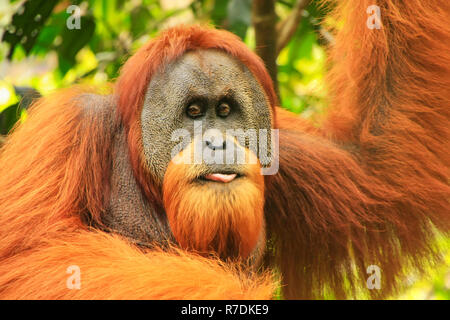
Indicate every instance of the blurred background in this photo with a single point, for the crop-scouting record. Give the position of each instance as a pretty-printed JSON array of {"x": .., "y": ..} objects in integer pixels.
[{"x": 51, "y": 44}]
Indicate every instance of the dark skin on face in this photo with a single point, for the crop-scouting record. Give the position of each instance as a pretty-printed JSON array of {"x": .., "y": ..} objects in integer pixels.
[
  {"x": 210, "y": 88},
  {"x": 370, "y": 187},
  {"x": 203, "y": 86}
]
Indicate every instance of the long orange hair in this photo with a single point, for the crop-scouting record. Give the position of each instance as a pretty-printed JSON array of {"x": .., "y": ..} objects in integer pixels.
[
  {"x": 370, "y": 187},
  {"x": 139, "y": 69}
]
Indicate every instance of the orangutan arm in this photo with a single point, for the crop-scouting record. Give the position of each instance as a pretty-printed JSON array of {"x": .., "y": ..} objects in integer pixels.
[{"x": 371, "y": 187}]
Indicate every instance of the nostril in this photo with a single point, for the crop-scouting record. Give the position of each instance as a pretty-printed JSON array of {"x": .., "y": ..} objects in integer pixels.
[
  {"x": 210, "y": 145},
  {"x": 213, "y": 146}
]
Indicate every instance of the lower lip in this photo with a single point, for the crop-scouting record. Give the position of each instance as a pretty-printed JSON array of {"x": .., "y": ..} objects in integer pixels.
[{"x": 220, "y": 177}]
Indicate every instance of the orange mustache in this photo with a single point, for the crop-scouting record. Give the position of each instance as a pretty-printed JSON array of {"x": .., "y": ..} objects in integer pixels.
[{"x": 215, "y": 212}]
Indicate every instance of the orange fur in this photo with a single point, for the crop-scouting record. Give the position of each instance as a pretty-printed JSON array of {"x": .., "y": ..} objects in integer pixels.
[
  {"x": 47, "y": 185},
  {"x": 370, "y": 187},
  {"x": 111, "y": 268},
  {"x": 287, "y": 120},
  {"x": 226, "y": 219},
  {"x": 376, "y": 190},
  {"x": 55, "y": 189},
  {"x": 139, "y": 69},
  {"x": 54, "y": 184}
]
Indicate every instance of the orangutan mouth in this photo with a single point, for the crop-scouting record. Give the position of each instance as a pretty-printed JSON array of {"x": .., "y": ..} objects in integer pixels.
[{"x": 221, "y": 177}]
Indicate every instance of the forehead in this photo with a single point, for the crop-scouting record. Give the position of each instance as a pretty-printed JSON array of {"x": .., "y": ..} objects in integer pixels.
[
  {"x": 209, "y": 70},
  {"x": 207, "y": 63}
]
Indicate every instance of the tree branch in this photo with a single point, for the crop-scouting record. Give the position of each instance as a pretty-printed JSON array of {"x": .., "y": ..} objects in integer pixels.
[
  {"x": 286, "y": 28},
  {"x": 264, "y": 21}
]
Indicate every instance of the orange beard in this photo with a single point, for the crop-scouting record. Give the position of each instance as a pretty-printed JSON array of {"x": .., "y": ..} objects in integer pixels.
[{"x": 215, "y": 217}]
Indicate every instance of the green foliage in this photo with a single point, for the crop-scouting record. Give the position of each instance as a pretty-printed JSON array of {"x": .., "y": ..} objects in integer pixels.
[
  {"x": 239, "y": 16},
  {"x": 111, "y": 30},
  {"x": 8, "y": 118},
  {"x": 301, "y": 67},
  {"x": 39, "y": 51},
  {"x": 26, "y": 24}
]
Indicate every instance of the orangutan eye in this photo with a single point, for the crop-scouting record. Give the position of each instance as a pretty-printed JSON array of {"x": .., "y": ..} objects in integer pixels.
[
  {"x": 194, "y": 111},
  {"x": 223, "y": 110}
]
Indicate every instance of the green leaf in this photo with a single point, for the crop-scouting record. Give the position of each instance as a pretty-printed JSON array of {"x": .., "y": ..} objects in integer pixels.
[
  {"x": 239, "y": 16},
  {"x": 73, "y": 40},
  {"x": 8, "y": 118},
  {"x": 219, "y": 12},
  {"x": 27, "y": 23},
  {"x": 301, "y": 44},
  {"x": 54, "y": 26},
  {"x": 140, "y": 17}
]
